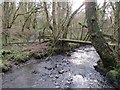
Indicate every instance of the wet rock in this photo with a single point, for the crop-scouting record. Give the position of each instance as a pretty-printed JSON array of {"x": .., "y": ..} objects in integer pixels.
[
  {"x": 51, "y": 76},
  {"x": 67, "y": 87},
  {"x": 54, "y": 79},
  {"x": 70, "y": 79},
  {"x": 68, "y": 54},
  {"x": 48, "y": 68},
  {"x": 61, "y": 71},
  {"x": 57, "y": 86},
  {"x": 48, "y": 59},
  {"x": 56, "y": 66},
  {"x": 56, "y": 76},
  {"x": 67, "y": 83},
  {"x": 34, "y": 72},
  {"x": 57, "y": 61},
  {"x": 71, "y": 51},
  {"x": 67, "y": 62},
  {"x": 68, "y": 69}
]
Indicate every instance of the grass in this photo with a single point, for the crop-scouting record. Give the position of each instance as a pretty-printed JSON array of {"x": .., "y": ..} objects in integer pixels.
[
  {"x": 14, "y": 55},
  {"x": 21, "y": 58},
  {"x": 40, "y": 55},
  {"x": 5, "y": 65}
]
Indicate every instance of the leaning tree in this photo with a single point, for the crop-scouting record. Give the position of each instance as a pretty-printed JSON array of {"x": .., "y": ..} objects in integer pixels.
[{"x": 103, "y": 49}]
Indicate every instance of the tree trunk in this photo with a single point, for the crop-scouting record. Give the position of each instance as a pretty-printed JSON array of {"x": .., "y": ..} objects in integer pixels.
[
  {"x": 117, "y": 28},
  {"x": 98, "y": 41},
  {"x": 5, "y": 23},
  {"x": 55, "y": 40},
  {"x": 70, "y": 20}
]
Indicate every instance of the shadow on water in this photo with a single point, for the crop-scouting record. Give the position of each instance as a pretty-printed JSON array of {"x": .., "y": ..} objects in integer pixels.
[{"x": 75, "y": 70}]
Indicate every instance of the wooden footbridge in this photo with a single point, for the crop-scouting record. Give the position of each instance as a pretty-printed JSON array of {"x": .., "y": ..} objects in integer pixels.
[
  {"x": 83, "y": 42},
  {"x": 47, "y": 39}
]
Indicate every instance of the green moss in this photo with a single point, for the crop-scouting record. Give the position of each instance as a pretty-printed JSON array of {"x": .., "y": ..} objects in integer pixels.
[
  {"x": 50, "y": 51},
  {"x": 7, "y": 54},
  {"x": 109, "y": 63},
  {"x": 118, "y": 77},
  {"x": 21, "y": 58},
  {"x": 59, "y": 50},
  {"x": 4, "y": 52},
  {"x": 5, "y": 65},
  {"x": 53, "y": 51},
  {"x": 45, "y": 54},
  {"x": 37, "y": 55},
  {"x": 112, "y": 74},
  {"x": 40, "y": 55}
]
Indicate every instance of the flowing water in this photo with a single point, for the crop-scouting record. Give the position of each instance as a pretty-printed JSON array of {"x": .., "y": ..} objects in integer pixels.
[{"x": 73, "y": 70}]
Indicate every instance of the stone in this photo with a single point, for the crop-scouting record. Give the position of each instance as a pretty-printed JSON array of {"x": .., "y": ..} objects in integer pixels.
[
  {"x": 61, "y": 71},
  {"x": 56, "y": 84},
  {"x": 51, "y": 76},
  {"x": 67, "y": 87},
  {"x": 56, "y": 65},
  {"x": 68, "y": 54},
  {"x": 48, "y": 68},
  {"x": 67, "y": 83},
  {"x": 53, "y": 79},
  {"x": 68, "y": 62},
  {"x": 34, "y": 72},
  {"x": 56, "y": 76},
  {"x": 70, "y": 79},
  {"x": 48, "y": 59}
]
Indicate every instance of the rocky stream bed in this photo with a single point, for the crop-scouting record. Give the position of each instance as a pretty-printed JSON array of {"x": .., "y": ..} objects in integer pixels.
[{"x": 71, "y": 70}]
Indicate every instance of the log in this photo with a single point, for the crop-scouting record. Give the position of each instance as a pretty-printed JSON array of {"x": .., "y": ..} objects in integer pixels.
[
  {"x": 76, "y": 41},
  {"x": 82, "y": 42},
  {"x": 26, "y": 42},
  {"x": 22, "y": 42}
]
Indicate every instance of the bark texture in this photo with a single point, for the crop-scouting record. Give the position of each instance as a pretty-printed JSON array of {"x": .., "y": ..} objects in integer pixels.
[
  {"x": 98, "y": 41},
  {"x": 117, "y": 28}
]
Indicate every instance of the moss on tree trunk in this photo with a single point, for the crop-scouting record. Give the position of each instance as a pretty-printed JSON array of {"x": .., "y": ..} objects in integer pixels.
[{"x": 98, "y": 41}]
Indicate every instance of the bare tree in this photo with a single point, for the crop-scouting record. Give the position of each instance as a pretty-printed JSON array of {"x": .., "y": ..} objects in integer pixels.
[{"x": 59, "y": 25}]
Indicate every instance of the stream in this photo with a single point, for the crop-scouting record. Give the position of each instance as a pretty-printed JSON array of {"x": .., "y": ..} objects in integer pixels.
[{"x": 70, "y": 70}]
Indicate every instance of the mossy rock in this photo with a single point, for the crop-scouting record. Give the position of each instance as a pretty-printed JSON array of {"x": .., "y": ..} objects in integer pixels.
[
  {"x": 112, "y": 74},
  {"x": 118, "y": 77},
  {"x": 59, "y": 50},
  {"x": 40, "y": 55},
  {"x": 50, "y": 51}
]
